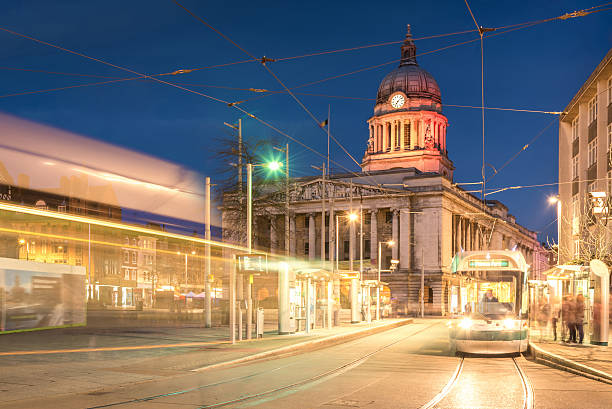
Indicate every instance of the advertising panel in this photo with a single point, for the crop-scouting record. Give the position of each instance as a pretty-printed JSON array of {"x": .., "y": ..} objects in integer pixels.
[{"x": 41, "y": 295}]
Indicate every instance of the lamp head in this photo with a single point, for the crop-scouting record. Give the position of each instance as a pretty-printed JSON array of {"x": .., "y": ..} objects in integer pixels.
[
  {"x": 352, "y": 217},
  {"x": 553, "y": 199},
  {"x": 391, "y": 243}
]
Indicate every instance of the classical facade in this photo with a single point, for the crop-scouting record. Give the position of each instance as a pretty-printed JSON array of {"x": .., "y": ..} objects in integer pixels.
[
  {"x": 585, "y": 162},
  {"x": 404, "y": 193}
]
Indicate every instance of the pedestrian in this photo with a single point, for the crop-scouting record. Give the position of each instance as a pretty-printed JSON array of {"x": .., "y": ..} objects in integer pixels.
[
  {"x": 579, "y": 317},
  {"x": 564, "y": 317},
  {"x": 556, "y": 314},
  {"x": 571, "y": 318},
  {"x": 543, "y": 316}
]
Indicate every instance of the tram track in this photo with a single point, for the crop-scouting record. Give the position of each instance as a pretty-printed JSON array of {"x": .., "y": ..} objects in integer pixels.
[
  {"x": 528, "y": 395},
  {"x": 328, "y": 373}
]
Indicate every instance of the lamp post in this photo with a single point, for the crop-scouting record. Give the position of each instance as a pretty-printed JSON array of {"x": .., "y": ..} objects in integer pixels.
[
  {"x": 557, "y": 200},
  {"x": 273, "y": 166},
  {"x": 389, "y": 243}
]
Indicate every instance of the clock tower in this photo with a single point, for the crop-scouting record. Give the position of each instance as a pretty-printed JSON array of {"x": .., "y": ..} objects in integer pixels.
[{"x": 408, "y": 129}]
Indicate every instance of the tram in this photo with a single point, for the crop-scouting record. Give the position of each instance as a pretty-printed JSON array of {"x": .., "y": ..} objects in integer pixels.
[{"x": 492, "y": 302}]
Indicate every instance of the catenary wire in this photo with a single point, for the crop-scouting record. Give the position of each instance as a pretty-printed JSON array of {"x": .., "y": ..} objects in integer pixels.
[
  {"x": 176, "y": 86},
  {"x": 267, "y": 68}
]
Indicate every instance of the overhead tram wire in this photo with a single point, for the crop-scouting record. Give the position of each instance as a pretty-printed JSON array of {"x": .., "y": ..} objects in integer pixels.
[
  {"x": 264, "y": 60},
  {"x": 575, "y": 14},
  {"x": 268, "y": 92},
  {"x": 524, "y": 148},
  {"x": 176, "y": 86}
]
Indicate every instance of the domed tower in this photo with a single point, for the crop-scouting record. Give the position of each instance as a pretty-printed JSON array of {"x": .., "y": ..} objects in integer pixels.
[{"x": 408, "y": 129}]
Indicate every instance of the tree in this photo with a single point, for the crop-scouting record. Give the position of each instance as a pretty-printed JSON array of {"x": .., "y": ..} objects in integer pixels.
[{"x": 268, "y": 187}]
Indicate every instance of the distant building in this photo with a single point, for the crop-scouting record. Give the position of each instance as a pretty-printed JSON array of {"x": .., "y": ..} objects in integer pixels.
[
  {"x": 405, "y": 192},
  {"x": 585, "y": 155}
]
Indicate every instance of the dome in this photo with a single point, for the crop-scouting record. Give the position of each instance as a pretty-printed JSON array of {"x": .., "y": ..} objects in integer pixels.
[
  {"x": 409, "y": 78},
  {"x": 412, "y": 80}
]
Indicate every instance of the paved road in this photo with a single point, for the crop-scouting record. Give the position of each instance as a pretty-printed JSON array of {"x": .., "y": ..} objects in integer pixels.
[{"x": 402, "y": 368}]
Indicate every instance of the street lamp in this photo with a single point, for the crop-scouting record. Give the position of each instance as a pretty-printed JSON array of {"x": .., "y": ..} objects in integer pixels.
[
  {"x": 27, "y": 244},
  {"x": 389, "y": 243},
  {"x": 273, "y": 166},
  {"x": 556, "y": 200}
]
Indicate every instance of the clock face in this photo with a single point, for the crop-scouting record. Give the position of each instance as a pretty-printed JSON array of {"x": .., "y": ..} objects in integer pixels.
[{"x": 397, "y": 101}]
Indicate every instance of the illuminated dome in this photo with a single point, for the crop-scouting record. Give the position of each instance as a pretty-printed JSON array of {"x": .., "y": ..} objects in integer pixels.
[{"x": 413, "y": 81}]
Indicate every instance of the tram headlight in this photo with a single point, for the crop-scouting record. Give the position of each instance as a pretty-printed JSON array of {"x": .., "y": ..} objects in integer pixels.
[
  {"x": 466, "y": 323},
  {"x": 512, "y": 324}
]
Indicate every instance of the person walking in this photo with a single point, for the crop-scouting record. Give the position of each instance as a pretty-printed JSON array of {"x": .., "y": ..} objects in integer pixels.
[
  {"x": 556, "y": 314},
  {"x": 571, "y": 318},
  {"x": 579, "y": 312},
  {"x": 543, "y": 317},
  {"x": 564, "y": 317}
]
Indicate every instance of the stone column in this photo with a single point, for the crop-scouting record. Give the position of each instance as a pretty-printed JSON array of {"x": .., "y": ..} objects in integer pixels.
[
  {"x": 460, "y": 234},
  {"x": 413, "y": 134},
  {"x": 292, "y": 237},
  {"x": 395, "y": 232},
  {"x": 374, "y": 236},
  {"x": 273, "y": 235},
  {"x": 404, "y": 239},
  {"x": 384, "y": 136},
  {"x": 332, "y": 235},
  {"x": 312, "y": 237}
]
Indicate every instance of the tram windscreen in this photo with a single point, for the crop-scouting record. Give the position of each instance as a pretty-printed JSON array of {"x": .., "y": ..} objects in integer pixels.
[{"x": 494, "y": 295}]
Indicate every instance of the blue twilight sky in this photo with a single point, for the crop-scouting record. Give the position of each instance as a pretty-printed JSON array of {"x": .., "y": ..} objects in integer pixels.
[{"x": 540, "y": 67}]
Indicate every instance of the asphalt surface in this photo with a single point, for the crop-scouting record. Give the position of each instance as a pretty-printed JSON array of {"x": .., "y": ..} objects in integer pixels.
[{"x": 406, "y": 367}]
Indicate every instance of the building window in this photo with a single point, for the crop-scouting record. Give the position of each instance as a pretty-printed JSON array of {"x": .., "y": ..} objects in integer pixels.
[
  {"x": 575, "y": 128},
  {"x": 609, "y": 137},
  {"x": 134, "y": 256},
  {"x": 347, "y": 248},
  {"x": 592, "y": 187},
  {"x": 306, "y": 221},
  {"x": 126, "y": 257},
  {"x": 609, "y": 184},
  {"x": 574, "y": 167},
  {"x": 407, "y": 135},
  {"x": 592, "y": 152},
  {"x": 388, "y": 217},
  {"x": 366, "y": 249},
  {"x": 593, "y": 110},
  {"x": 306, "y": 248},
  {"x": 609, "y": 91}
]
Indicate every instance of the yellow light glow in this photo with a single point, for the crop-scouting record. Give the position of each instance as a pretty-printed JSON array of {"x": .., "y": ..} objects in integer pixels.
[
  {"x": 553, "y": 199},
  {"x": 352, "y": 216},
  {"x": 466, "y": 323},
  {"x": 391, "y": 243},
  {"x": 21, "y": 241}
]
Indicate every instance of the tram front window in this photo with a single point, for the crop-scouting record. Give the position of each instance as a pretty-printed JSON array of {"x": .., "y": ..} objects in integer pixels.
[{"x": 494, "y": 295}]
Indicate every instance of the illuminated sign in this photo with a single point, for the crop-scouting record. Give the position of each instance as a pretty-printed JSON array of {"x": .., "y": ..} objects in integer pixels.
[
  {"x": 488, "y": 263},
  {"x": 251, "y": 263}
]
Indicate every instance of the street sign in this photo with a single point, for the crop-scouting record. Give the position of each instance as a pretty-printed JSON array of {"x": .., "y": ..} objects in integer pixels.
[{"x": 252, "y": 263}]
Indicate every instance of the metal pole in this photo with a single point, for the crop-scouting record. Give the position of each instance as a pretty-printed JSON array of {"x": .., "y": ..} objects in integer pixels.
[
  {"x": 240, "y": 156},
  {"x": 232, "y": 296},
  {"x": 308, "y": 305},
  {"x": 208, "y": 273},
  {"x": 337, "y": 239},
  {"x": 249, "y": 206},
  {"x": 360, "y": 242},
  {"x": 323, "y": 187},
  {"x": 89, "y": 259},
  {"x": 287, "y": 236},
  {"x": 378, "y": 288},
  {"x": 558, "y": 224},
  {"x": 249, "y": 245},
  {"x": 249, "y": 326},
  {"x": 185, "y": 278},
  {"x": 422, "y": 283}
]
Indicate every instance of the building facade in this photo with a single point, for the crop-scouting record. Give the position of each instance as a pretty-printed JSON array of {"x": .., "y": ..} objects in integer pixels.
[
  {"x": 585, "y": 166},
  {"x": 404, "y": 193}
]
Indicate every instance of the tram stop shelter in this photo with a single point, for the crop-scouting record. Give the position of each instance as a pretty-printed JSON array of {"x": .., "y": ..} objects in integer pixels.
[
  {"x": 305, "y": 299},
  {"x": 592, "y": 281}
]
